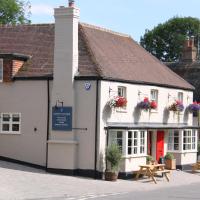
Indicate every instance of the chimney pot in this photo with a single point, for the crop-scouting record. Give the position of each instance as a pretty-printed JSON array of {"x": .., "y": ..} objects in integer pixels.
[{"x": 71, "y": 3}]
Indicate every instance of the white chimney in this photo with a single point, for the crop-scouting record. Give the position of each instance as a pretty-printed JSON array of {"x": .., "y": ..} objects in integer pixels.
[
  {"x": 65, "y": 53},
  {"x": 62, "y": 144}
]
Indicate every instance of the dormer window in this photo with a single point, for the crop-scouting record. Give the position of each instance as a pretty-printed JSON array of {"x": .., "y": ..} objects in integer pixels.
[{"x": 1, "y": 70}]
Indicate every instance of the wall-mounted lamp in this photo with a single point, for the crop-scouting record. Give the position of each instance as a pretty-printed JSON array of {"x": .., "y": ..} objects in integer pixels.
[
  {"x": 58, "y": 102},
  {"x": 111, "y": 91}
]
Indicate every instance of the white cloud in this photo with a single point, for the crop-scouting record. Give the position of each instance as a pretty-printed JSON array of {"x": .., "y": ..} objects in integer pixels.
[{"x": 41, "y": 9}]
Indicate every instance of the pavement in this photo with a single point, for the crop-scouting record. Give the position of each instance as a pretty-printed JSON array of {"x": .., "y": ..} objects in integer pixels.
[{"x": 19, "y": 182}]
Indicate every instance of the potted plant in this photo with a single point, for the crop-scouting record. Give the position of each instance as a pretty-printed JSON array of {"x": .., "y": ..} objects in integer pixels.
[
  {"x": 149, "y": 159},
  {"x": 198, "y": 153},
  {"x": 177, "y": 106},
  {"x": 117, "y": 102},
  {"x": 147, "y": 105},
  {"x": 113, "y": 158},
  {"x": 170, "y": 162},
  {"x": 193, "y": 107}
]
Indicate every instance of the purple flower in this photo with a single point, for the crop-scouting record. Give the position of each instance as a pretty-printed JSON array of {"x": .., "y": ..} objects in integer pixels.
[{"x": 194, "y": 107}]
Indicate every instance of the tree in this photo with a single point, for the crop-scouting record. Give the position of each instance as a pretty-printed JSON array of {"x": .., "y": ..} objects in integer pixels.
[
  {"x": 14, "y": 12},
  {"x": 165, "y": 41}
]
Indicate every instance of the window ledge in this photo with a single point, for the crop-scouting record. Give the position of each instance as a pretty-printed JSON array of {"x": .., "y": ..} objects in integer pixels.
[
  {"x": 9, "y": 133},
  {"x": 121, "y": 111},
  {"x": 134, "y": 156},
  {"x": 154, "y": 111}
]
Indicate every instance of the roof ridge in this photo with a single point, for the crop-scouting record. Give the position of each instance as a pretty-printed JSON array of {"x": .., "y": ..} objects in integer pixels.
[
  {"x": 25, "y": 25},
  {"x": 104, "y": 29}
]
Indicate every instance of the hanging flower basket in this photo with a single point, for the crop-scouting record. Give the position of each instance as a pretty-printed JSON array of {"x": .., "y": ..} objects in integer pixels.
[
  {"x": 118, "y": 102},
  {"x": 147, "y": 105},
  {"x": 177, "y": 106},
  {"x": 194, "y": 107}
]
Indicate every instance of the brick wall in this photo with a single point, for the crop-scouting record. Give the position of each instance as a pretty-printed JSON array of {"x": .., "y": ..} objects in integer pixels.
[{"x": 17, "y": 64}]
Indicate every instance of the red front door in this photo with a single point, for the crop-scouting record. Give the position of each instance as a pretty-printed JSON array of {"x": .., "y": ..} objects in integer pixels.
[{"x": 160, "y": 145}]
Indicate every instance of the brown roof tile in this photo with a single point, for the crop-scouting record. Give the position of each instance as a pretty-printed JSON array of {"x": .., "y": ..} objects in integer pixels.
[
  {"x": 102, "y": 53},
  {"x": 120, "y": 57}
]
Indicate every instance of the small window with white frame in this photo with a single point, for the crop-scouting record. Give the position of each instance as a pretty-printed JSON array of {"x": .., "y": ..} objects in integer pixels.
[
  {"x": 1, "y": 70},
  {"x": 180, "y": 97},
  {"x": 122, "y": 91},
  {"x": 10, "y": 123},
  {"x": 154, "y": 95}
]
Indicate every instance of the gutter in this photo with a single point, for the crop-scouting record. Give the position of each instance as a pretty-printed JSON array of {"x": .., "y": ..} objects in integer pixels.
[
  {"x": 96, "y": 129},
  {"x": 48, "y": 113}
]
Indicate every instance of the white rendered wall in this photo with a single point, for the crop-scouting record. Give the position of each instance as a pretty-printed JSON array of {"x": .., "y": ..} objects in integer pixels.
[
  {"x": 85, "y": 114},
  {"x": 135, "y": 94},
  {"x": 30, "y": 99}
]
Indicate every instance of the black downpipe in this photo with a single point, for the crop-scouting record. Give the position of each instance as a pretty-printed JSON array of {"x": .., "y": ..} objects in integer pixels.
[
  {"x": 96, "y": 129},
  {"x": 48, "y": 110}
]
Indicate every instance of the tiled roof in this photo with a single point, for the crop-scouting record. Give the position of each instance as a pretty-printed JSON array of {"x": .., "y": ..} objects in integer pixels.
[
  {"x": 102, "y": 53},
  {"x": 36, "y": 41},
  {"x": 120, "y": 57}
]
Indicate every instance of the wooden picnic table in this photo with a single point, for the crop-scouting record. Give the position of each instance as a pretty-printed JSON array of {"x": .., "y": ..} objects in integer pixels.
[
  {"x": 152, "y": 170},
  {"x": 196, "y": 166}
]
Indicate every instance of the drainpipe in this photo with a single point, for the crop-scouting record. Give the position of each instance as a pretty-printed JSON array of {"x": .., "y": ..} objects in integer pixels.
[
  {"x": 48, "y": 109},
  {"x": 96, "y": 129}
]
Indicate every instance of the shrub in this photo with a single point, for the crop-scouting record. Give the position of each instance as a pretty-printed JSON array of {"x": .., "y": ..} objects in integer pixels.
[
  {"x": 169, "y": 156},
  {"x": 149, "y": 158},
  {"x": 113, "y": 156}
]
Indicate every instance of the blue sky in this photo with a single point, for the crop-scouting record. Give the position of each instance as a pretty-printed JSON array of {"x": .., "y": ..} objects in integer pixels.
[{"x": 126, "y": 16}]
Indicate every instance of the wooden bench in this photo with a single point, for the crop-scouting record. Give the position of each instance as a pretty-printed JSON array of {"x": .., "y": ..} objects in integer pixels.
[
  {"x": 164, "y": 173},
  {"x": 152, "y": 170},
  {"x": 196, "y": 166}
]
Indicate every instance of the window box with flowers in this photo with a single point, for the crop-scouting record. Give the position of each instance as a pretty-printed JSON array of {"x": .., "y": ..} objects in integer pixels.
[
  {"x": 118, "y": 102},
  {"x": 193, "y": 107},
  {"x": 147, "y": 105},
  {"x": 177, "y": 106}
]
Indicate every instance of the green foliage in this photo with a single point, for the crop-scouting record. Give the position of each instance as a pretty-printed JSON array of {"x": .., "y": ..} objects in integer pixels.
[
  {"x": 149, "y": 158},
  {"x": 198, "y": 147},
  {"x": 14, "y": 12},
  {"x": 169, "y": 156},
  {"x": 165, "y": 41},
  {"x": 113, "y": 156}
]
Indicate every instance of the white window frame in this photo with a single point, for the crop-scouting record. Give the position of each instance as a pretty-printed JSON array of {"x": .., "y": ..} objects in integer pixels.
[
  {"x": 1, "y": 68},
  {"x": 172, "y": 140},
  {"x": 154, "y": 97},
  {"x": 180, "y": 96},
  {"x": 10, "y": 122},
  {"x": 122, "y": 92},
  {"x": 193, "y": 135},
  {"x": 125, "y": 142}
]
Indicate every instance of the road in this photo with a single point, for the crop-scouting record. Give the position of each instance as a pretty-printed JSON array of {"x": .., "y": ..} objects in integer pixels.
[{"x": 19, "y": 182}]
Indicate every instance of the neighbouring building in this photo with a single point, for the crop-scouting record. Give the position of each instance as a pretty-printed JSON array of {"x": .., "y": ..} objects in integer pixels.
[
  {"x": 64, "y": 88},
  {"x": 188, "y": 67}
]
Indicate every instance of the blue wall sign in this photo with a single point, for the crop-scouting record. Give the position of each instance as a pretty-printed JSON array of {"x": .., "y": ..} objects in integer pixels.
[{"x": 62, "y": 118}]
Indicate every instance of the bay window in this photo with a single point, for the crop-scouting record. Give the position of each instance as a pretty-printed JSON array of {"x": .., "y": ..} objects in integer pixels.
[
  {"x": 189, "y": 140},
  {"x": 173, "y": 140},
  {"x": 132, "y": 143}
]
